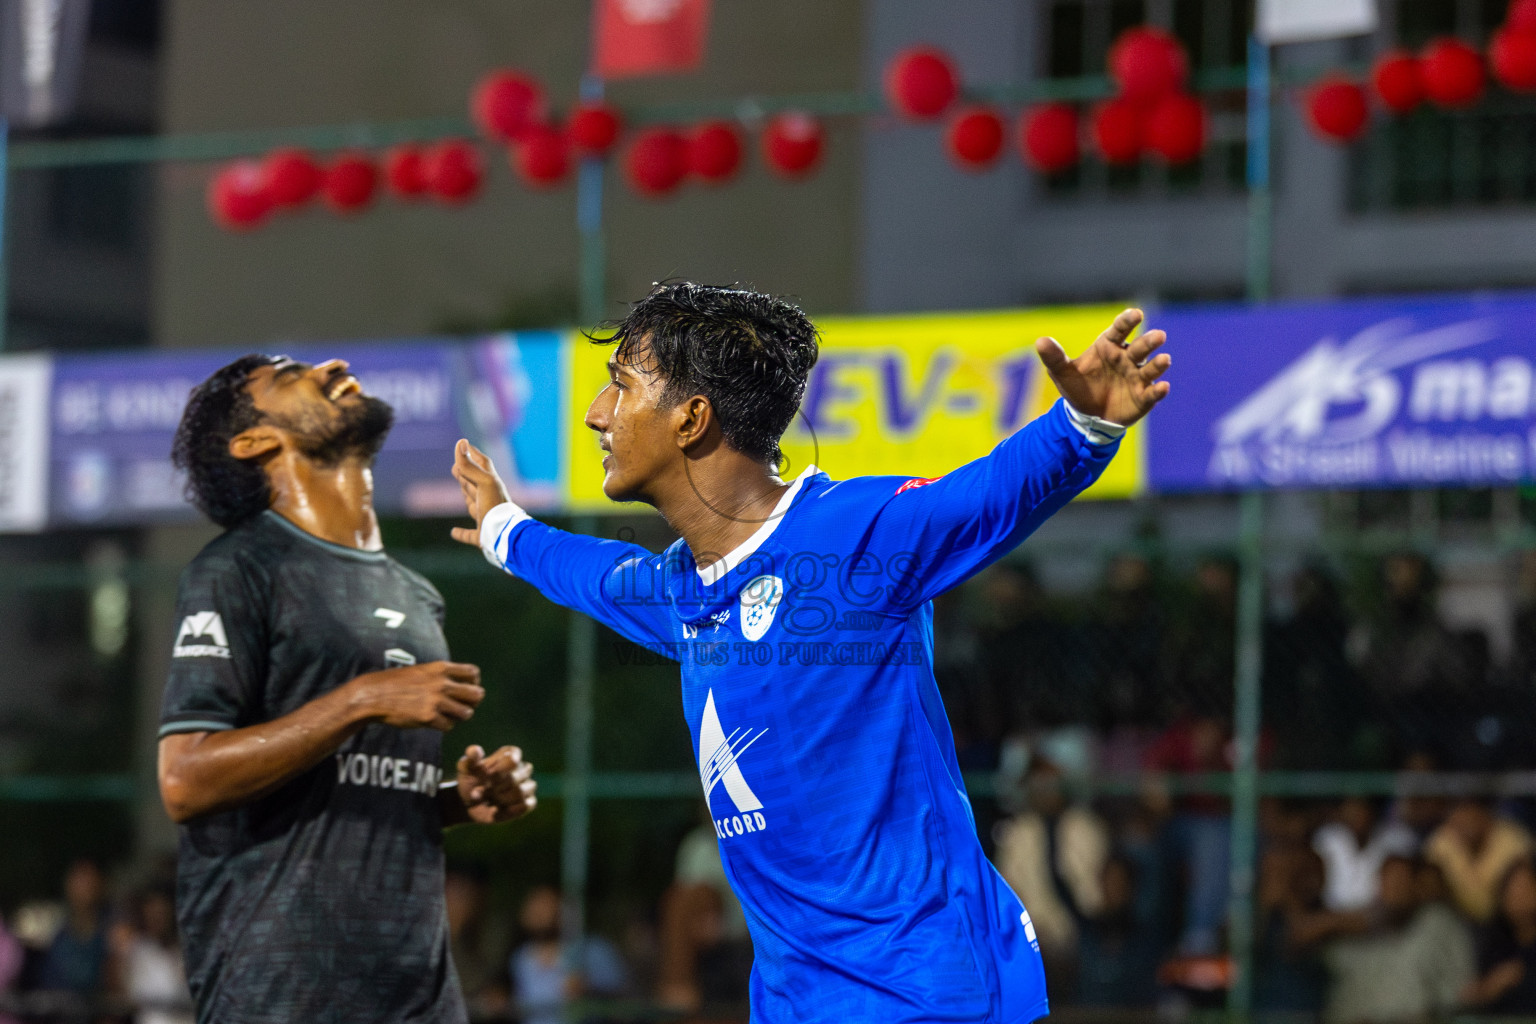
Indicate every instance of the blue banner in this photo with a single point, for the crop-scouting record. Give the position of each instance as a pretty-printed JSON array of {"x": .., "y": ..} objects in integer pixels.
[
  {"x": 1399, "y": 392},
  {"x": 113, "y": 418}
]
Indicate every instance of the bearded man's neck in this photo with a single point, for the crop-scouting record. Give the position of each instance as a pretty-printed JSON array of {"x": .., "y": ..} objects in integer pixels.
[{"x": 331, "y": 501}]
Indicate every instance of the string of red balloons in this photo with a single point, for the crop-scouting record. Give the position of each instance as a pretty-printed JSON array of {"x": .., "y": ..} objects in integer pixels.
[{"x": 1448, "y": 72}]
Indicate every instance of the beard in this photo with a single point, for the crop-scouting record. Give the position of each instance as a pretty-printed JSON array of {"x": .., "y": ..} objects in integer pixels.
[{"x": 359, "y": 433}]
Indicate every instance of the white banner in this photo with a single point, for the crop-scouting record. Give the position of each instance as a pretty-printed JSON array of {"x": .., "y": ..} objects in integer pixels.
[
  {"x": 25, "y": 382},
  {"x": 1300, "y": 21}
]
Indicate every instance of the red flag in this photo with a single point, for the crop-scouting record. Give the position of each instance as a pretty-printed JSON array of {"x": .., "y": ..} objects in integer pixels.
[{"x": 648, "y": 37}]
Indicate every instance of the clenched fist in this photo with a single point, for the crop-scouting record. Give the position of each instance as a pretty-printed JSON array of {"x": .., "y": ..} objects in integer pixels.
[{"x": 436, "y": 695}]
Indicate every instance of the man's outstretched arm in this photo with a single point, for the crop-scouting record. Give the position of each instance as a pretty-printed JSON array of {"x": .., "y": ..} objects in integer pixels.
[
  {"x": 202, "y": 772},
  {"x": 936, "y": 534},
  {"x": 616, "y": 583}
]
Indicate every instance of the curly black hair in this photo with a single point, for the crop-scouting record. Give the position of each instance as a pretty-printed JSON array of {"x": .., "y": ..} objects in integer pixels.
[
  {"x": 226, "y": 489},
  {"x": 749, "y": 353}
]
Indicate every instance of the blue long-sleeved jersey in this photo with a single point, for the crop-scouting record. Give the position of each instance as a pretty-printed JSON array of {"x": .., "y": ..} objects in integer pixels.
[{"x": 823, "y": 748}]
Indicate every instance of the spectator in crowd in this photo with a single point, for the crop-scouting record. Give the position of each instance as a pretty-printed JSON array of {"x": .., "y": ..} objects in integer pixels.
[
  {"x": 77, "y": 959},
  {"x": 1413, "y": 666},
  {"x": 706, "y": 955},
  {"x": 147, "y": 949},
  {"x": 1118, "y": 947},
  {"x": 1053, "y": 855},
  {"x": 543, "y": 977},
  {"x": 479, "y": 952},
  {"x": 1312, "y": 698},
  {"x": 1200, "y": 830},
  {"x": 1474, "y": 849},
  {"x": 1291, "y": 928},
  {"x": 1506, "y": 981},
  {"x": 1413, "y": 964},
  {"x": 1421, "y": 812},
  {"x": 1352, "y": 848}
]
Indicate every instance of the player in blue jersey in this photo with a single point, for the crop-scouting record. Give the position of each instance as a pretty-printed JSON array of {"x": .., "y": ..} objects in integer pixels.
[{"x": 800, "y": 613}]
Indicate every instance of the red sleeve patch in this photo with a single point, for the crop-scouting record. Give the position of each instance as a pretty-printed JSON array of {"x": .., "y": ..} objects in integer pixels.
[{"x": 916, "y": 482}]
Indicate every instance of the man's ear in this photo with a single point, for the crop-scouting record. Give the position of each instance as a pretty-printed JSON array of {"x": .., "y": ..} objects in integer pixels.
[
  {"x": 694, "y": 420},
  {"x": 255, "y": 442}
]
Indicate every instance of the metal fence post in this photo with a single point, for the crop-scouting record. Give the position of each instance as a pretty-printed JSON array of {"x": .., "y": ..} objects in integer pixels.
[
  {"x": 1250, "y": 603},
  {"x": 1245, "y": 768}
]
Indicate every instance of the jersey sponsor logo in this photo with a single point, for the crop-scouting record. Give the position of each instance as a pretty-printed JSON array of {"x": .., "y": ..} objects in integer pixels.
[
  {"x": 388, "y": 773},
  {"x": 719, "y": 757},
  {"x": 399, "y": 657},
  {"x": 759, "y": 604},
  {"x": 915, "y": 483},
  {"x": 392, "y": 618},
  {"x": 201, "y": 626},
  {"x": 720, "y": 618}
]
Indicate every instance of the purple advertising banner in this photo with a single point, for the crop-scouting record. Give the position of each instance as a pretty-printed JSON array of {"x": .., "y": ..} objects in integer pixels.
[
  {"x": 114, "y": 416},
  {"x": 1400, "y": 392}
]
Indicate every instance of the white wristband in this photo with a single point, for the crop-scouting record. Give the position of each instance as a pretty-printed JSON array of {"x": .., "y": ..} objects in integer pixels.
[
  {"x": 1097, "y": 431},
  {"x": 496, "y": 532}
]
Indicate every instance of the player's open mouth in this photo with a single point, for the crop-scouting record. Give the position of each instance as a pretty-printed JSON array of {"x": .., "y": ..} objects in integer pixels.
[{"x": 348, "y": 385}]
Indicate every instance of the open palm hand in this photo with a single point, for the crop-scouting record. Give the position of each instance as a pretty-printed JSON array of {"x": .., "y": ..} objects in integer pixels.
[{"x": 1115, "y": 379}]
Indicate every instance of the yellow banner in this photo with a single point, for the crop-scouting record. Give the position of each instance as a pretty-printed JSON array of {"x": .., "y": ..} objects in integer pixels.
[{"x": 901, "y": 396}]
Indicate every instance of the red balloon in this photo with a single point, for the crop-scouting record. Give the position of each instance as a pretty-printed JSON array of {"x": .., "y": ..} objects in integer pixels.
[
  {"x": 714, "y": 151},
  {"x": 238, "y": 196},
  {"x": 1176, "y": 128},
  {"x": 507, "y": 103},
  {"x": 1512, "y": 55},
  {"x": 594, "y": 128},
  {"x": 1521, "y": 16},
  {"x": 1337, "y": 109},
  {"x": 1049, "y": 137},
  {"x": 293, "y": 176},
  {"x": 657, "y": 161},
  {"x": 1148, "y": 64},
  {"x": 975, "y": 138},
  {"x": 1452, "y": 72},
  {"x": 792, "y": 142},
  {"x": 453, "y": 171},
  {"x": 1118, "y": 132},
  {"x": 542, "y": 156},
  {"x": 405, "y": 171},
  {"x": 350, "y": 182},
  {"x": 921, "y": 82},
  {"x": 1395, "y": 77}
]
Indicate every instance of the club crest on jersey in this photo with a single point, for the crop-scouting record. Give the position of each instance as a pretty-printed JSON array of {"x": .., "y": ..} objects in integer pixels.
[
  {"x": 201, "y": 626},
  {"x": 759, "y": 604},
  {"x": 719, "y": 765}
]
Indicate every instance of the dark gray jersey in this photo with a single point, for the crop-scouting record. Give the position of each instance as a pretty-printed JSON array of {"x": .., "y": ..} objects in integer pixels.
[{"x": 322, "y": 901}]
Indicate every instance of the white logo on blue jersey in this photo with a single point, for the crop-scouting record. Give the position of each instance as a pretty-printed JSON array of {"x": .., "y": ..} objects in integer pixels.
[
  {"x": 759, "y": 603},
  {"x": 718, "y": 755}
]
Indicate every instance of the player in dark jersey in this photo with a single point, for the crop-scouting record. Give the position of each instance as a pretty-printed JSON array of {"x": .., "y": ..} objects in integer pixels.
[{"x": 302, "y": 724}]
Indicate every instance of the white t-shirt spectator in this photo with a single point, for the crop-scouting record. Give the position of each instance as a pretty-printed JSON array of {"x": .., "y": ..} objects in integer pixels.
[
  {"x": 1353, "y": 871},
  {"x": 157, "y": 983}
]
